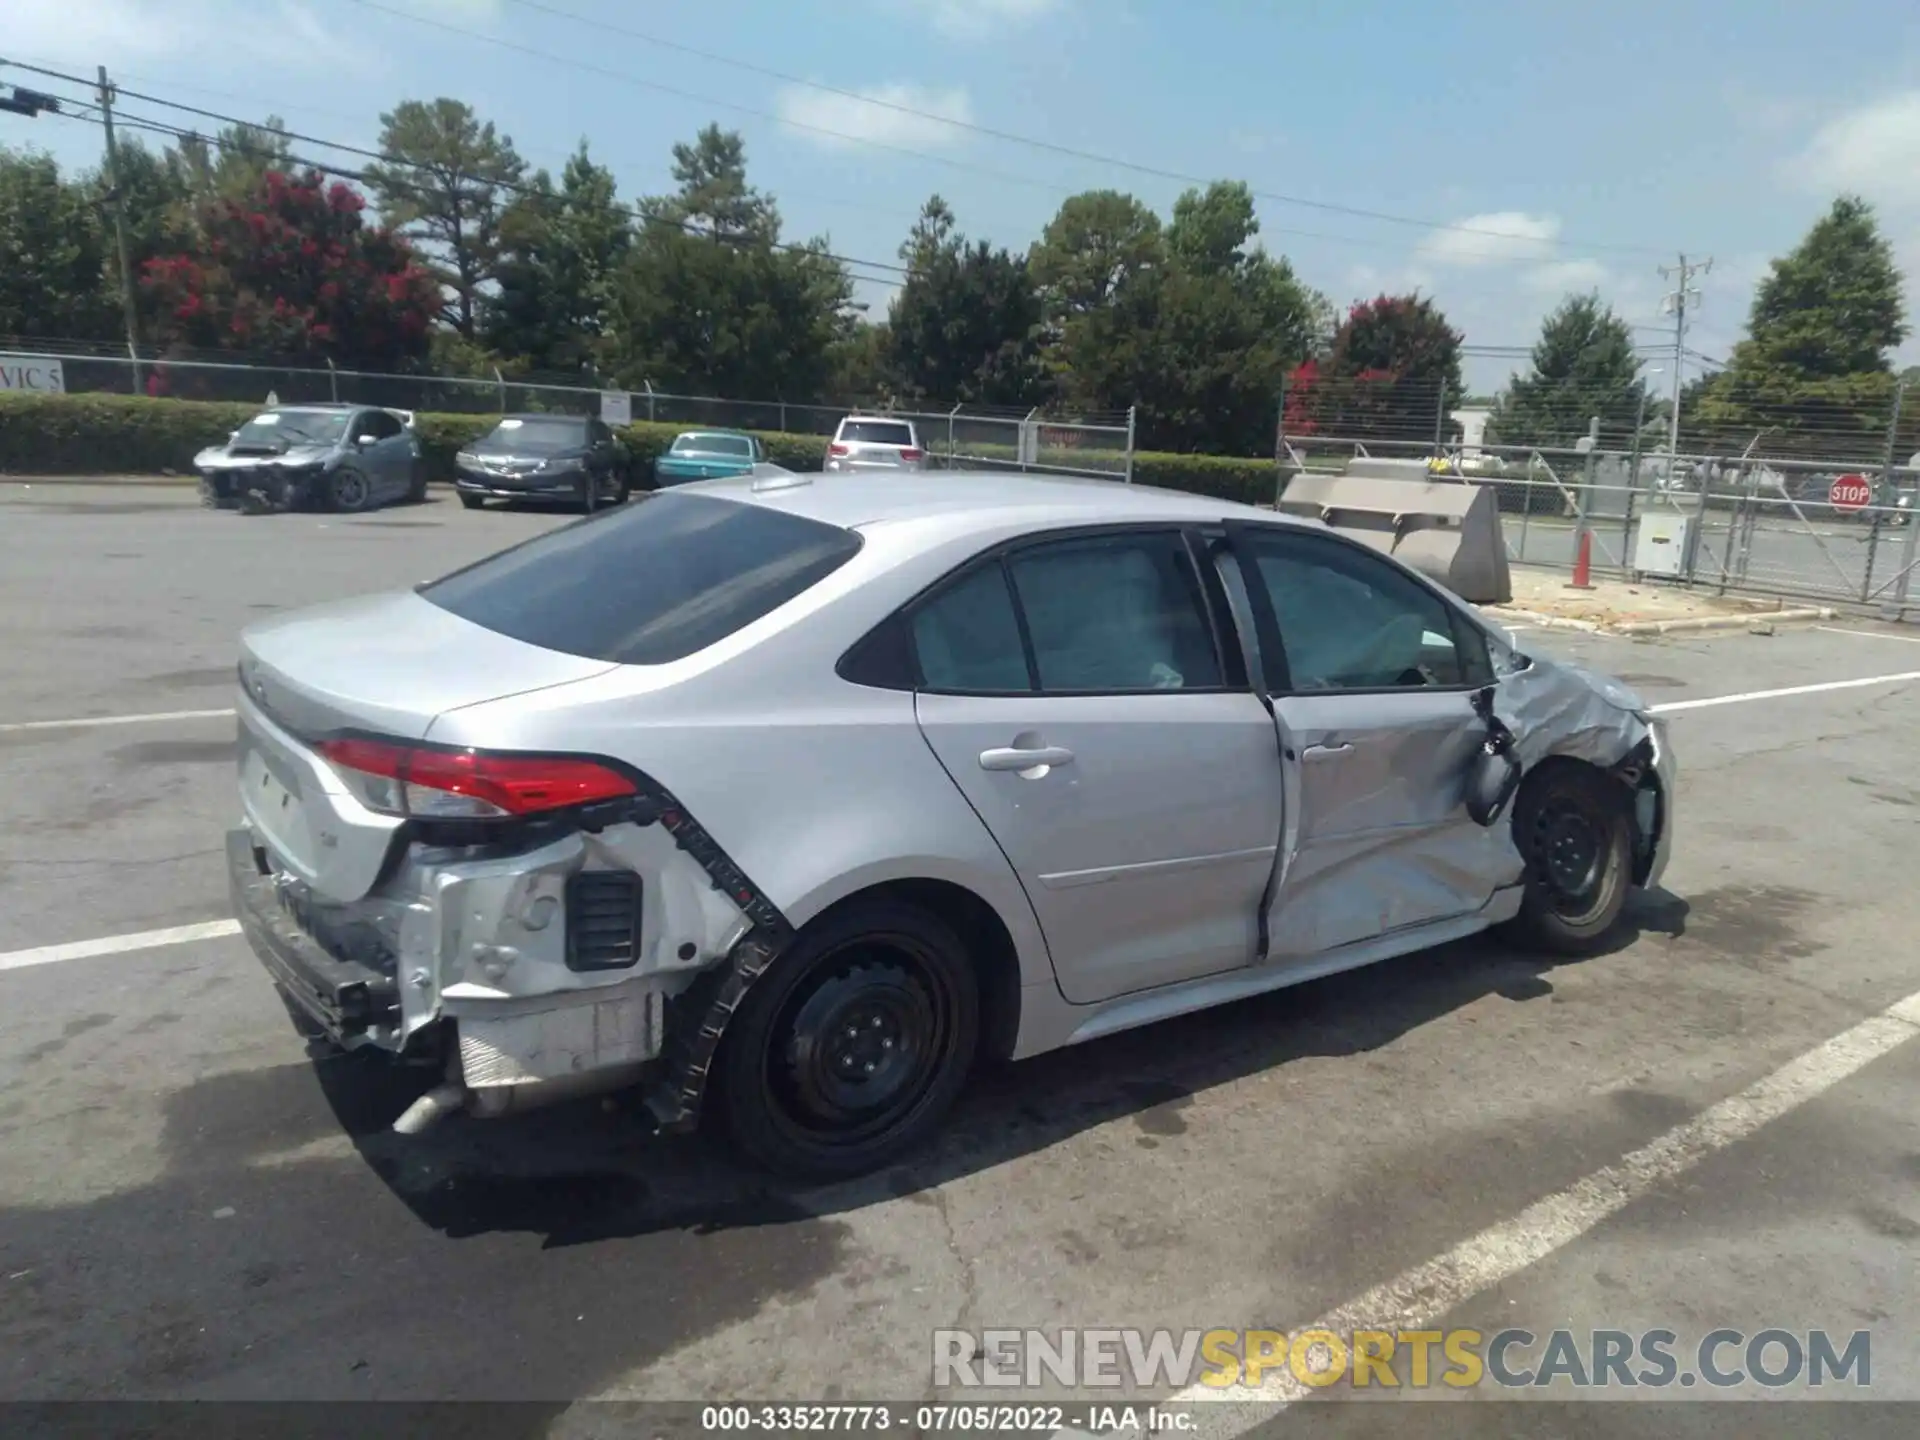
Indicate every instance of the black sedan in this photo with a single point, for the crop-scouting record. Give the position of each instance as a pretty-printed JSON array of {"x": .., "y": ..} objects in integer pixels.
[{"x": 573, "y": 458}]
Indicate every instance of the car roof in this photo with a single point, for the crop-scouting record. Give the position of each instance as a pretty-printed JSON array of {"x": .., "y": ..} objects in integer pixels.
[
  {"x": 547, "y": 415},
  {"x": 729, "y": 434},
  {"x": 972, "y": 499}
]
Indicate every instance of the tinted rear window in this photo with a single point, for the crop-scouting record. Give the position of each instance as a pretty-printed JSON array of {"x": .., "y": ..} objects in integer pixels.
[
  {"x": 651, "y": 582},
  {"x": 876, "y": 432},
  {"x": 535, "y": 437},
  {"x": 712, "y": 445}
]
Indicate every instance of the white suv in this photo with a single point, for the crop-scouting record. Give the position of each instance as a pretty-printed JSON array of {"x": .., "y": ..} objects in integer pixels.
[{"x": 866, "y": 442}]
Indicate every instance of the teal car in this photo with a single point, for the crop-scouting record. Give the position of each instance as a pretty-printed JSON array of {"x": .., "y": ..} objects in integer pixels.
[{"x": 707, "y": 455}]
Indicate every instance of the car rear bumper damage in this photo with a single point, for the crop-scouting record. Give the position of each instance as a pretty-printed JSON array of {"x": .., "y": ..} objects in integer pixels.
[{"x": 569, "y": 962}]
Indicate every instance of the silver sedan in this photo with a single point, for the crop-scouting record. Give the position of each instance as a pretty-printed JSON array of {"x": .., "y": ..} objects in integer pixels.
[{"x": 794, "y": 797}]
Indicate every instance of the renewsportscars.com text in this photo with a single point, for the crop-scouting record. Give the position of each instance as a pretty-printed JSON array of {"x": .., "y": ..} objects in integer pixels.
[{"x": 1515, "y": 1358}]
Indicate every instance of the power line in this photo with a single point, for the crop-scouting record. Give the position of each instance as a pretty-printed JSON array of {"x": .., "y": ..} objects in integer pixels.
[
  {"x": 1005, "y": 177},
  {"x": 160, "y": 127},
  {"x": 1009, "y": 137}
]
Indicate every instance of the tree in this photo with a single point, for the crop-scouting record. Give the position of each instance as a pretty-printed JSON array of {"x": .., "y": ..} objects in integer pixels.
[
  {"x": 966, "y": 325},
  {"x": 1816, "y": 364},
  {"x": 1094, "y": 267},
  {"x": 857, "y": 370},
  {"x": 1391, "y": 373},
  {"x": 447, "y": 189},
  {"x": 295, "y": 270},
  {"x": 1583, "y": 366},
  {"x": 232, "y": 164},
  {"x": 714, "y": 198},
  {"x": 53, "y": 255},
  {"x": 710, "y": 302},
  {"x": 1228, "y": 323},
  {"x": 561, "y": 253}
]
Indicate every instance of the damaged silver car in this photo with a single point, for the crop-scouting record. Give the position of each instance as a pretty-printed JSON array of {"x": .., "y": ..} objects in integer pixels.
[{"x": 792, "y": 798}]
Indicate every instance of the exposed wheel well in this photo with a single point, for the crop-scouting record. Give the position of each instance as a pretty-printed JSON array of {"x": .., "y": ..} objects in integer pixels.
[
  {"x": 1634, "y": 775},
  {"x": 989, "y": 945}
]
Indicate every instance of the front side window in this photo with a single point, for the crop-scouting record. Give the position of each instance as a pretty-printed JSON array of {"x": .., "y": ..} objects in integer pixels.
[
  {"x": 1350, "y": 621},
  {"x": 377, "y": 423}
]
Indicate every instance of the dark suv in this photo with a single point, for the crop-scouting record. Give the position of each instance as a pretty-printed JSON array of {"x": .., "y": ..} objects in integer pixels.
[{"x": 545, "y": 457}]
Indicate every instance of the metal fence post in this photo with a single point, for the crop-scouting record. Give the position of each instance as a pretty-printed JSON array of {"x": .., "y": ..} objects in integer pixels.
[
  {"x": 647, "y": 385},
  {"x": 1910, "y": 551},
  {"x": 1280, "y": 445},
  {"x": 1886, "y": 488},
  {"x": 500, "y": 382},
  {"x": 333, "y": 381},
  {"x": 1440, "y": 421},
  {"x": 1132, "y": 412},
  {"x": 950, "y": 444}
]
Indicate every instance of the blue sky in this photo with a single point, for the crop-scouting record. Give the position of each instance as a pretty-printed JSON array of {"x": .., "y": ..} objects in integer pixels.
[{"x": 1601, "y": 139}]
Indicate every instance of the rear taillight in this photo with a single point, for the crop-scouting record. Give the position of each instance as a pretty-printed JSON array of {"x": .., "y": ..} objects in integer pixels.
[
  {"x": 910, "y": 453},
  {"x": 838, "y": 449},
  {"x": 399, "y": 779}
]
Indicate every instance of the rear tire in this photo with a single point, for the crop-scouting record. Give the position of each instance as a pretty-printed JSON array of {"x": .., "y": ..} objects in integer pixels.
[
  {"x": 1572, "y": 827},
  {"x": 851, "y": 1050},
  {"x": 417, "y": 488}
]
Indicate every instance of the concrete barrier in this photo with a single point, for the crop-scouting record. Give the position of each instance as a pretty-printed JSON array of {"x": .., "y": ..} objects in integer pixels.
[{"x": 1446, "y": 528}]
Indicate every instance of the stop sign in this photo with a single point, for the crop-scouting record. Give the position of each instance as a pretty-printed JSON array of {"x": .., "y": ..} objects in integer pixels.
[{"x": 1850, "y": 492}]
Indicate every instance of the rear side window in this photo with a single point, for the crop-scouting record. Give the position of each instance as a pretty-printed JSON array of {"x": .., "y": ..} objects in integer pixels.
[
  {"x": 649, "y": 583},
  {"x": 876, "y": 432}
]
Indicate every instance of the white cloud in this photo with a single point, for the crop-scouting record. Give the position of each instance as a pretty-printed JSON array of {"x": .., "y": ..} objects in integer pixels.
[
  {"x": 977, "y": 19},
  {"x": 1499, "y": 238},
  {"x": 134, "y": 33},
  {"x": 1562, "y": 277},
  {"x": 893, "y": 114},
  {"x": 1873, "y": 149}
]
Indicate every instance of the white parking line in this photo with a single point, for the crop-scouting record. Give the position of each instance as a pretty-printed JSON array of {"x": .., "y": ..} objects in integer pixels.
[
  {"x": 1418, "y": 1297},
  {"x": 153, "y": 718},
  {"x": 1870, "y": 634},
  {"x": 119, "y": 944},
  {"x": 1824, "y": 686}
]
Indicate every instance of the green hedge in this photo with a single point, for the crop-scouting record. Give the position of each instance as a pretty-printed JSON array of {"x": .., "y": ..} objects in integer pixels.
[{"x": 132, "y": 435}]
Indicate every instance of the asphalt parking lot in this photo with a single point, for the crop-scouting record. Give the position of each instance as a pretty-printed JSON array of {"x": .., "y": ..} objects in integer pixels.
[{"x": 190, "y": 1209}]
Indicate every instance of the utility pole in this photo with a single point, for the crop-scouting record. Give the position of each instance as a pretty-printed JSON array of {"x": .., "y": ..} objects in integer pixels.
[
  {"x": 115, "y": 199},
  {"x": 1684, "y": 291}
]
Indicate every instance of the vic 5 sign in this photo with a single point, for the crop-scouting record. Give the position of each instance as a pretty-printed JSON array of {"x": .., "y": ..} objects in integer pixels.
[{"x": 31, "y": 375}]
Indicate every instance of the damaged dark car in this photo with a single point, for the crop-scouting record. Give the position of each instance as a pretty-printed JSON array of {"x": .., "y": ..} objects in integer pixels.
[{"x": 339, "y": 458}]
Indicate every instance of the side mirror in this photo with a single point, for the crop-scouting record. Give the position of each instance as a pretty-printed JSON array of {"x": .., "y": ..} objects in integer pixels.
[{"x": 366, "y": 440}]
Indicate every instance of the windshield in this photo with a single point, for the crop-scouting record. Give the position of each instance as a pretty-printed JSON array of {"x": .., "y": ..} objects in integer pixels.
[
  {"x": 713, "y": 445},
  {"x": 649, "y": 583},
  {"x": 535, "y": 437},
  {"x": 294, "y": 427}
]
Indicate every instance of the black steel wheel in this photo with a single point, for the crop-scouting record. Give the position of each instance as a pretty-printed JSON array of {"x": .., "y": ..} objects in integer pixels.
[
  {"x": 850, "y": 1051},
  {"x": 348, "y": 491},
  {"x": 1572, "y": 827}
]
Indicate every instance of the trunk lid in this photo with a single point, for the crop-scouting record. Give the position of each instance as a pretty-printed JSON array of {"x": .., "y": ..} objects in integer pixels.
[{"x": 386, "y": 665}]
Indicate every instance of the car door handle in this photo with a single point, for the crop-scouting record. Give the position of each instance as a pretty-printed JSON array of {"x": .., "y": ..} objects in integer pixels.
[
  {"x": 1327, "y": 752},
  {"x": 1012, "y": 759}
]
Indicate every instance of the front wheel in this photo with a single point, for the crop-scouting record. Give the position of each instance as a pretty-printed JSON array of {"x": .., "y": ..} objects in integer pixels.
[
  {"x": 471, "y": 501},
  {"x": 589, "y": 493},
  {"x": 1572, "y": 828},
  {"x": 348, "y": 492},
  {"x": 212, "y": 499},
  {"x": 852, "y": 1049}
]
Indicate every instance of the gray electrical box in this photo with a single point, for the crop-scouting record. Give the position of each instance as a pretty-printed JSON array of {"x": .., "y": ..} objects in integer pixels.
[{"x": 1660, "y": 544}]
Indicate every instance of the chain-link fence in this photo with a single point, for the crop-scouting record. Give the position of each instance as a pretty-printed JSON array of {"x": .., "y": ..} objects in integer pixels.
[{"x": 956, "y": 437}]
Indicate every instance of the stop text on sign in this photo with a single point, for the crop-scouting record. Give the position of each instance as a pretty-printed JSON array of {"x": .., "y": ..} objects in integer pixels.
[{"x": 1850, "y": 492}]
